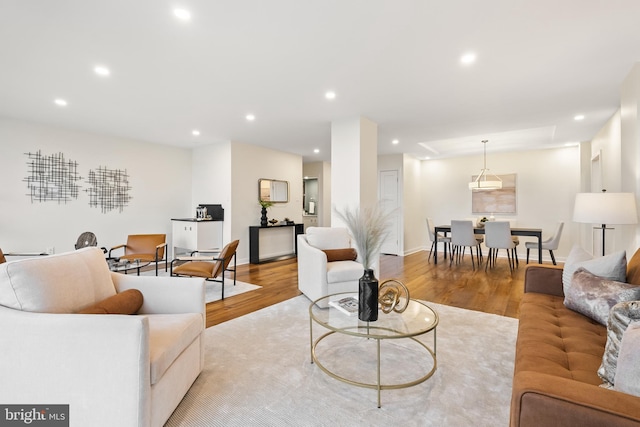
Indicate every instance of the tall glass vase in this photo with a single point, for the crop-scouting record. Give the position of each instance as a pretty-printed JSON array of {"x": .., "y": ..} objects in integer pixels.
[{"x": 368, "y": 297}]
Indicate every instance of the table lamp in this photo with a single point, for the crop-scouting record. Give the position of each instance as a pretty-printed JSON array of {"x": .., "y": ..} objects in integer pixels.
[{"x": 605, "y": 208}]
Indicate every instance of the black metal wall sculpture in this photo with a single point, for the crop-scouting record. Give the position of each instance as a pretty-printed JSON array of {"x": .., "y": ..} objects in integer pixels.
[
  {"x": 109, "y": 189},
  {"x": 51, "y": 178}
]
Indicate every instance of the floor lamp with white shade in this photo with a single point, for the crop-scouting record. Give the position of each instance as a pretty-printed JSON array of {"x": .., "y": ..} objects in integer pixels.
[{"x": 605, "y": 208}]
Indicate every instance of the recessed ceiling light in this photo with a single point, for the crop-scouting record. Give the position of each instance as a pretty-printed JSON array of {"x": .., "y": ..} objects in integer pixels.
[
  {"x": 182, "y": 14},
  {"x": 60, "y": 102},
  {"x": 250, "y": 117},
  {"x": 316, "y": 150},
  {"x": 330, "y": 95},
  {"x": 101, "y": 70},
  {"x": 468, "y": 58},
  {"x": 579, "y": 117},
  {"x": 195, "y": 132},
  {"x": 395, "y": 142}
]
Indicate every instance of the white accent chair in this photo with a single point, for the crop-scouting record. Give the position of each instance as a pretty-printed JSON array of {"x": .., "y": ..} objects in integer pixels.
[
  {"x": 316, "y": 276},
  {"x": 112, "y": 370},
  {"x": 551, "y": 244}
]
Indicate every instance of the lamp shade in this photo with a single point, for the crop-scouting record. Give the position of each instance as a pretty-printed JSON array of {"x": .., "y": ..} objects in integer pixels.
[{"x": 605, "y": 208}]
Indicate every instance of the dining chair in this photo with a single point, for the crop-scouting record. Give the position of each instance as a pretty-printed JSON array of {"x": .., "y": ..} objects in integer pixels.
[
  {"x": 441, "y": 238},
  {"x": 498, "y": 236},
  {"x": 551, "y": 244},
  {"x": 462, "y": 236}
]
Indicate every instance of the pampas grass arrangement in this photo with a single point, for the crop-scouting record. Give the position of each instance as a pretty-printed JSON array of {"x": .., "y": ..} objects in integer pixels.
[{"x": 369, "y": 228}]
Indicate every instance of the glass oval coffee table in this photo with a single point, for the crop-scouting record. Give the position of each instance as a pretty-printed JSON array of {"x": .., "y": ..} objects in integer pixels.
[{"x": 418, "y": 319}]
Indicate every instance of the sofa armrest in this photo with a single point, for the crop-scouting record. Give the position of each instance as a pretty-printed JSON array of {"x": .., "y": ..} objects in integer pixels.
[
  {"x": 94, "y": 363},
  {"x": 544, "y": 400},
  {"x": 164, "y": 295},
  {"x": 543, "y": 279}
]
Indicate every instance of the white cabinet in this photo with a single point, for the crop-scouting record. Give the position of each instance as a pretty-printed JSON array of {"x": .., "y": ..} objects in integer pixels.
[{"x": 190, "y": 235}]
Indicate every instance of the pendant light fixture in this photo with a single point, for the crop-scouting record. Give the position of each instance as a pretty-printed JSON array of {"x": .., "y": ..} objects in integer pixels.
[{"x": 485, "y": 181}]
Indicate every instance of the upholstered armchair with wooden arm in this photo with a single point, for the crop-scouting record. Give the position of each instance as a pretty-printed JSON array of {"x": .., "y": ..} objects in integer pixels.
[{"x": 145, "y": 247}]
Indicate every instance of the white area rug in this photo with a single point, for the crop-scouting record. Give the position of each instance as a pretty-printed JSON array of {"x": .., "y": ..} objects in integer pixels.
[
  {"x": 258, "y": 373},
  {"x": 213, "y": 290}
]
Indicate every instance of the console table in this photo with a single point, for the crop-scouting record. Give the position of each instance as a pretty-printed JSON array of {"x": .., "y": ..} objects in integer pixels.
[{"x": 254, "y": 242}]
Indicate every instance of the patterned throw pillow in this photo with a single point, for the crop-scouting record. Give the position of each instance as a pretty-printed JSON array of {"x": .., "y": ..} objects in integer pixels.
[
  {"x": 621, "y": 315},
  {"x": 594, "y": 296},
  {"x": 612, "y": 266}
]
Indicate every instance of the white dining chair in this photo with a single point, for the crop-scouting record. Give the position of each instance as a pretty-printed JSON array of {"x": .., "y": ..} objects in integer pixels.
[
  {"x": 441, "y": 238},
  {"x": 551, "y": 244},
  {"x": 498, "y": 236},
  {"x": 462, "y": 236}
]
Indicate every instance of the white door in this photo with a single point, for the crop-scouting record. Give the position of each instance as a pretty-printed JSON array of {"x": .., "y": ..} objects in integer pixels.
[{"x": 390, "y": 201}]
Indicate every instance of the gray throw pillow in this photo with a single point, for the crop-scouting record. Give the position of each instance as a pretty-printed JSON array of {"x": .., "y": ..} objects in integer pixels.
[
  {"x": 612, "y": 266},
  {"x": 594, "y": 296},
  {"x": 628, "y": 370},
  {"x": 621, "y": 315}
]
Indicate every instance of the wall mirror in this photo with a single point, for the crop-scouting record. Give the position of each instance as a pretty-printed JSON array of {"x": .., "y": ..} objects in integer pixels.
[{"x": 274, "y": 191}]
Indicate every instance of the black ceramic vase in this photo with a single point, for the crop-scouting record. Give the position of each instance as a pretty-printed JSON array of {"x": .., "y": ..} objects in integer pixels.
[
  {"x": 263, "y": 220},
  {"x": 368, "y": 297}
]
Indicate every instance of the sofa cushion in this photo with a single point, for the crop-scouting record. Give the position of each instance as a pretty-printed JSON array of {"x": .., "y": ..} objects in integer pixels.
[
  {"x": 627, "y": 377},
  {"x": 556, "y": 341},
  {"x": 169, "y": 336},
  {"x": 344, "y": 271},
  {"x": 126, "y": 302},
  {"x": 328, "y": 237},
  {"x": 594, "y": 296},
  {"x": 347, "y": 254},
  {"x": 612, "y": 267},
  {"x": 62, "y": 283},
  {"x": 621, "y": 315}
]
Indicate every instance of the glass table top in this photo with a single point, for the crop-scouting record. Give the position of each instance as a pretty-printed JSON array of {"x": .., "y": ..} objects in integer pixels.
[{"x": 417, "y": 319}]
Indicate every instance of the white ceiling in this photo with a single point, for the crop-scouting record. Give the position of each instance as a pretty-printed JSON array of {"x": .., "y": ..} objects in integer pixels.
[{"x": 539, "y": 63}]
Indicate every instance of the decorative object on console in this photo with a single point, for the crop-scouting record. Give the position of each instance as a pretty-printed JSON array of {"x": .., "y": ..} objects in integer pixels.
[
  {"x": 605, "y": 208},
  {"x": 368, "y": 226},
  {"x": 394, "y": 296},
  {"x": 273, "y": 221},
  {"x": 265, "y": 205}
]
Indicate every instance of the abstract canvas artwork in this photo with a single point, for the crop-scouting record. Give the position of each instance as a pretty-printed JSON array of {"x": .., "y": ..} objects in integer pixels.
[
  {"x": 51, "y": 178},
  {"x": 496, "y": 201}
]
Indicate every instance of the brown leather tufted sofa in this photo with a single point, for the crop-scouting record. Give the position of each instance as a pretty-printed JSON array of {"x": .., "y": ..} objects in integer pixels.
[{"x": 558, "y": 353}]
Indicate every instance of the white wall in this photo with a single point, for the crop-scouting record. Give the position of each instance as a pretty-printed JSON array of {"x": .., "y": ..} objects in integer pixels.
[
  {"x": 547, "y": 181},
  {"x": 249, "y": 163},
  {"x": 211, "y": 183},
  {"x": 630, "y": 145},
  {"x": 159, "y": 176},
  {"x": 415, "y": 230}
]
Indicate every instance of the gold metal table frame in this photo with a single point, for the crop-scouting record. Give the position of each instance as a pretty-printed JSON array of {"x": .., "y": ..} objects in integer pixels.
[{"x": 418, "y": 319}]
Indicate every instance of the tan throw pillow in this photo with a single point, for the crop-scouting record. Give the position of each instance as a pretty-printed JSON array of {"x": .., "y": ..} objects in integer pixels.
[
  {"x": 621, "y": 315},
  {"x": 594, "y": 296},
  {"x": 127, "y": 302},
  {"x": 346, "y": 254}
]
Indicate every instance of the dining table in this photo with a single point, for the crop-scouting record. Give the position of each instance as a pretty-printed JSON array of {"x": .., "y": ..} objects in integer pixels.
[{"x": 515, "y": 231}]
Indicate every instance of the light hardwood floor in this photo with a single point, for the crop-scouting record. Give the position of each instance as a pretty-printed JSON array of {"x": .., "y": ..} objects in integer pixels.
[{"x": 495, "y": 291}]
